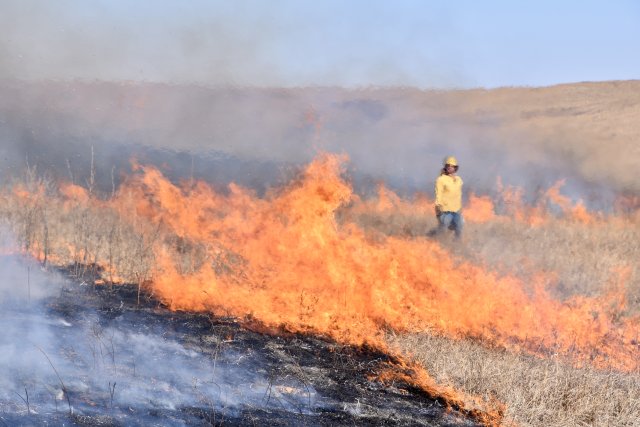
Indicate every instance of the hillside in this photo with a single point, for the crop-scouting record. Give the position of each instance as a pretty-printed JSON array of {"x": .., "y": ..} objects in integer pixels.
[
  {"x": 531, "y": 136},
  {"x": 202, "y": 201}
]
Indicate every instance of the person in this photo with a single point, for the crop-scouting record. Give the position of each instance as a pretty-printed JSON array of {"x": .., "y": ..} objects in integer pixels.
[{"x": 448, "y": 198}]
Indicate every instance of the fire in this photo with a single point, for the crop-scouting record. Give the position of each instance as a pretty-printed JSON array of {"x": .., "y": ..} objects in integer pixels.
[
  {"x": 74, "y": 193},
  {"x": 480, "y": 209},
  {"x": 289, "y": 262},
  {"x": 420, "y": 379},
  {"x": 285, "y": 260},
  {"x": 578, "y": 212}
]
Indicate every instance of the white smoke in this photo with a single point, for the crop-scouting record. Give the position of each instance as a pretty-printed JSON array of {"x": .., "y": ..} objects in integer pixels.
[{"x": 60, "y": 358}]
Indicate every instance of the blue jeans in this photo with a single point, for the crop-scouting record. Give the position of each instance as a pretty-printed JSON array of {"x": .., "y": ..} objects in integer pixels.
[{"x": 452, "y": 221}]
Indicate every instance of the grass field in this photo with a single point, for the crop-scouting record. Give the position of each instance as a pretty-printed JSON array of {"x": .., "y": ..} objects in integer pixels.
[
  {"x": 536, "y": 310},
  {"x": 551, "y": 390},
  {"x": 128, "y": 235}
]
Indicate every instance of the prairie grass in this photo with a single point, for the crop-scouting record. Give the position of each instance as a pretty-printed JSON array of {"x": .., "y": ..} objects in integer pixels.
[
  {"x": 93, "y": 238},
  {"x": 79, "y": 235},
  {"x": 576, "y": 125},
  {"x": 536, "y": 392},
  {"x": 582, "y": 258}
]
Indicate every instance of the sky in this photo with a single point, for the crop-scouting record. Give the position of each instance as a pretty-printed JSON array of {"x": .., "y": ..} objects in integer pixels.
[{"x": 347, "y": 43}]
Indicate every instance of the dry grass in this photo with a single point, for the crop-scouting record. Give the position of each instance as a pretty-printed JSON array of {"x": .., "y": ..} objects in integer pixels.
[
  {"x": 537, "y": 392},
  {"x": 582, "y": 128},
  {"x": 576, "y": 124},
  {"x": 81, "y": 236},
  {"x": 583, "y": 259}
]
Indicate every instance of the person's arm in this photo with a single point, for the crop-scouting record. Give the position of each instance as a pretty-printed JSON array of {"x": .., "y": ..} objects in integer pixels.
[{"x": 438, "y": 195}]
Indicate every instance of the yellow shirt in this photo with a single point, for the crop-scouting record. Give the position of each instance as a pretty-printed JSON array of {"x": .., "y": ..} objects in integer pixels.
[{"x": 449, "y": 193}]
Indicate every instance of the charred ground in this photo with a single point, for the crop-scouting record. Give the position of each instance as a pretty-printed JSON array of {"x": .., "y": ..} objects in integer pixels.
[{"x": 311, "y": 380}]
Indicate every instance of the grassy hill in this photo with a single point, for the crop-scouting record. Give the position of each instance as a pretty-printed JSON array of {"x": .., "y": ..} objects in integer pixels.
[
  {"x": 554, "y": 300},
  {"x": 586, "y": 132}
]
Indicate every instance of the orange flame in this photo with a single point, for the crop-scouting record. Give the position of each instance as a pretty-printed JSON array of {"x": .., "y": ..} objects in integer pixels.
[
  {"x": 74, "y": 193},
  {"x": 479, "y": 209},
  {"x": 577, "y": 212},
  {"x": 286, "y": 261},
  {"x": 297, "y": 267}
]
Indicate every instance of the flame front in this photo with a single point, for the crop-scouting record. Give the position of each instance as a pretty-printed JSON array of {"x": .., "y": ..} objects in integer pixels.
[
  {"x": 285, "y": 260},
  {"x": 299, "y": 258}
]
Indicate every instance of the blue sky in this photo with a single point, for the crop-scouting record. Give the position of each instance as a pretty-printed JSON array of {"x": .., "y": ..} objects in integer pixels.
[{"x": 353, "y": 43}]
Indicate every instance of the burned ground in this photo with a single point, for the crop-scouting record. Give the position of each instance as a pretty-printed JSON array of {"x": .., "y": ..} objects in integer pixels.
[{"x": 263, "y": 376}]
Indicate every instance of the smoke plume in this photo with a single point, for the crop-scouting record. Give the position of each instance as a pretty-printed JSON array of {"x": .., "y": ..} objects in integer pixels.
[
  {"x": 394, "y": 135},
  {"x": 81, "y": 361}
]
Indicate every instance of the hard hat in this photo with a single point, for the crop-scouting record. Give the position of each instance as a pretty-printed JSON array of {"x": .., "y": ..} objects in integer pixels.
[{"x": 450, "y": 160}]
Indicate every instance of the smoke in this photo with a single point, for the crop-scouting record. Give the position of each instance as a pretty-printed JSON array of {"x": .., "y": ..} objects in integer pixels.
[
  {"x": 120, "y": 365},
  {"x": 250, "y": 136},
  {"x": 204, "y": 52},
  {"x": 219, "y": 43},
  {"x": 110, "y": 41},
  {"x": 202, "y": 123}
]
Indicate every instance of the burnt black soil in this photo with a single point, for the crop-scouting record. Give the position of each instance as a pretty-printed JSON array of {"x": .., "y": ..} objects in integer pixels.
[{"x": 336, "y": 383}]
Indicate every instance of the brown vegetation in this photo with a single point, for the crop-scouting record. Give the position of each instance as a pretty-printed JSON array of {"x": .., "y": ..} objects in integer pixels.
[
  {"x": 587, "y": 127},
  {"x": 68, "y": 225},
  {"x": 536, "y": 391},
  {"x": 588, "y": 130},
  {"x": 582, "y": 258}
]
